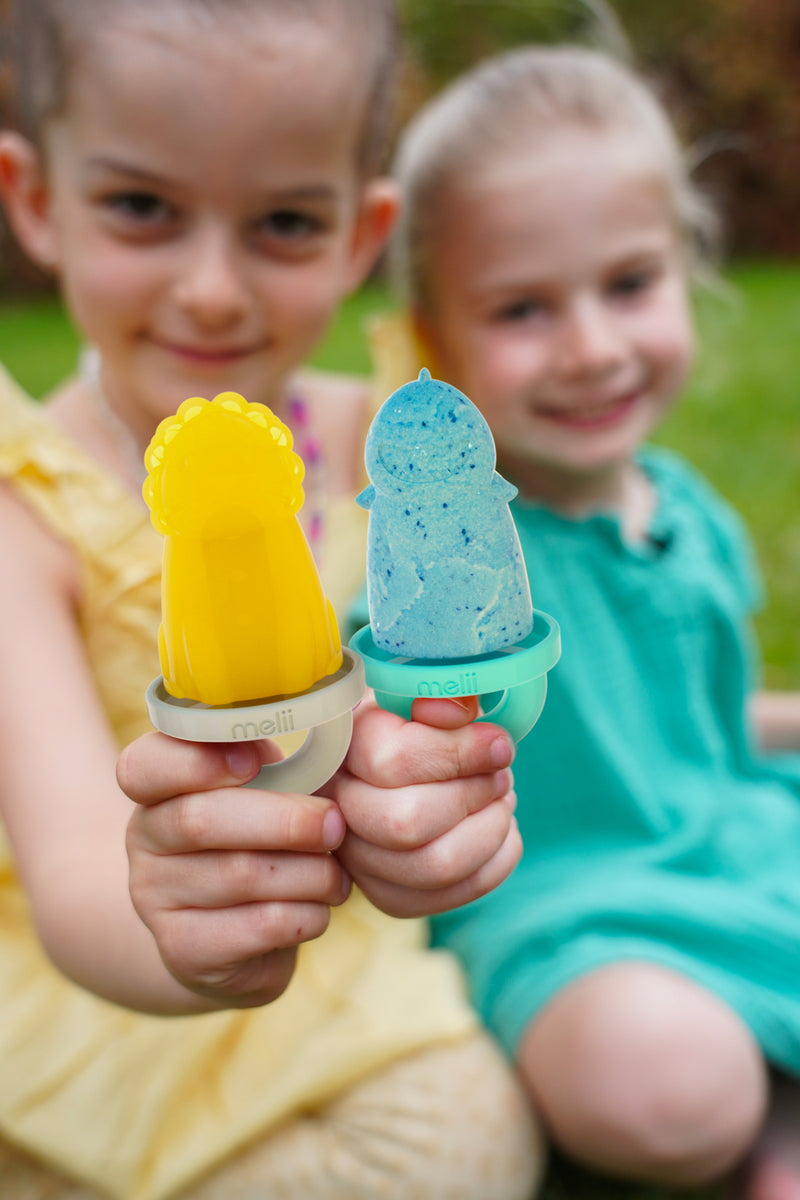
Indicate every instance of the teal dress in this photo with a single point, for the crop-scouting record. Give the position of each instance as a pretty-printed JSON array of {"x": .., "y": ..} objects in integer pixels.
[{"x": 653, "y": 829}]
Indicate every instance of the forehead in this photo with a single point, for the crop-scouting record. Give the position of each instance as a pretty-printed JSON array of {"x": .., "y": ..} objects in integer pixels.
[
  {"x": 563, "y": 205},
  {"x": 265, "y": 89}
]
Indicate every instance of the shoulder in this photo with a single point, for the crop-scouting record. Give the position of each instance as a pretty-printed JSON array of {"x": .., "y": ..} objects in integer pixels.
[
  {"x": 28, "y": 433},
  {"x": 688, "y": 498},
  {"x": 18, "y": 411},
  {"x": 40, "y": 557},
  {"x": 674, "y": 473},
  {"x": 679, "y": 482},
  {"x": 36, "y": 550},
  {"x": 348, "y": 394}
]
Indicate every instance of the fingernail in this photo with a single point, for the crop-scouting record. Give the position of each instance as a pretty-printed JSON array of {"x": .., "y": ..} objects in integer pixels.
[
  {"x": 511, "y": 800},
  {"x": 502, "y": 752},
  {"x": 333, "y": 829},
  {"x": 346, "y": 887},
  {"x": 242, "y": 761}
]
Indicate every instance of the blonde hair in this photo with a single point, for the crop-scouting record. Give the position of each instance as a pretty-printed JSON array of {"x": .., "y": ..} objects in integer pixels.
[{"x": 502, "y": 106}]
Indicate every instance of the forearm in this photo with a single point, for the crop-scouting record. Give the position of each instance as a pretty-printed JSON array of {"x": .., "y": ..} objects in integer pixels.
[
  {"x": 776, "y": 720},
  {"x": 91, "y": 932}
]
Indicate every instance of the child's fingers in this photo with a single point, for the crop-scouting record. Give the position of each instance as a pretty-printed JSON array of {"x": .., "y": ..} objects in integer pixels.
[
  {"x": 439, "y": 863},
  {"x": 389, "y": 752},
  {"x": 155, "y": 766},
  {"x": 239, "y": 955},
  {"x": 393, "y": 896},
  {"x": 229, "y": 878},
  {"x": 404, "y": 818},
  {"x": 249, "y": 983},
  {"x": 236, "y": 819}
]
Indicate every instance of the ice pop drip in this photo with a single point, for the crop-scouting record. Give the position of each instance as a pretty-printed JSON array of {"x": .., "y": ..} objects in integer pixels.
[
  {"x": 449, "y": 602},
  {"x": 445, "y": 573},
  {"x": 244, "y": 616}
]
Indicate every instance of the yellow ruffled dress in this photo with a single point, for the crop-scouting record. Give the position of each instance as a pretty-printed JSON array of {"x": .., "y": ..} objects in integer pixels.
[{"x": 140, "y": 1106}]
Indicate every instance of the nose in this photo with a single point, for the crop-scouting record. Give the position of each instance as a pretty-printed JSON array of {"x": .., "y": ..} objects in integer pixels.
[
  {"x": 211, "y": 287},
  {"x": 591, "y": 341}
]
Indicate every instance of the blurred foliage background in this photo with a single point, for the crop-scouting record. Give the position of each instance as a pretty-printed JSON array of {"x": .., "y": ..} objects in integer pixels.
[{"x": 728, "y": 69}]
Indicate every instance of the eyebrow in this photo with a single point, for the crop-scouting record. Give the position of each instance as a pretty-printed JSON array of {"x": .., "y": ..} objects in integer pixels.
[
  {"x": 311, "y": 191},
  {"x": 120, "y": 167}
]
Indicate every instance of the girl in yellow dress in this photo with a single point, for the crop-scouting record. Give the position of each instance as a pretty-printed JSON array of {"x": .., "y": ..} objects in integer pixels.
[{"x": 202, "y": 177}]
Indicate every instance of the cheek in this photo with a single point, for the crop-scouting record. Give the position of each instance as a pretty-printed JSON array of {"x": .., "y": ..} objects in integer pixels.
[
  {"x": 673, "y": 354},
  {"x": 669, "y": 338},
  {"x": 478, "y": 359},
  {"x": 108, "y": 280},
  {"x": 307, "y": 294},
  {"x": 508, "y": 359}
]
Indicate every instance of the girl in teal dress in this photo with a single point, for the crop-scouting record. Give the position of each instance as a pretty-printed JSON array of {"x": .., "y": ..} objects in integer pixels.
[{"x": 642, "y": 963}]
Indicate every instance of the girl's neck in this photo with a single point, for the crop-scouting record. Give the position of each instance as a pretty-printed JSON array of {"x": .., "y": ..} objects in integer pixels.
[
  {"x": 83, "y": 411},
  {"x": 623, "y": 490},
  {"x": 126, "y": 444},
  {"x": 78, "y": 410},
  {"x": 89, "y": 410}
]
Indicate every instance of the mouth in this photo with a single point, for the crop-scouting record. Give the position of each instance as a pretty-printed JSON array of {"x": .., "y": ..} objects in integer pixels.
[
  {"x": 207, "y": 356},
  {"x": 419, "y": 464},
  {"x": 593, "y": 415}
]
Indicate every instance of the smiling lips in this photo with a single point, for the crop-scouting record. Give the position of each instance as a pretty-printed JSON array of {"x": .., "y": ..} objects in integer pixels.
[
  {"x": 203, "y": 356},
  {"x": 590, "y": 416}
]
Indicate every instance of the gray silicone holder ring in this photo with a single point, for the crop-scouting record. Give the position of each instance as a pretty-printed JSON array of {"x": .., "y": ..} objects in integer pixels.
[{"x": 326, "y": 711}]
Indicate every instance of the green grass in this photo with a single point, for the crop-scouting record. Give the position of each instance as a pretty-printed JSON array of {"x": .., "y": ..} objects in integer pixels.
[
  {"x": 740, "y": 422},
  {"x": 37, "y": 344}
]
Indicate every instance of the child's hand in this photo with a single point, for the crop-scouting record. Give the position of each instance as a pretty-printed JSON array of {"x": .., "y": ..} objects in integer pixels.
[
  {"x": 229, "y": 880},
  {"x": 429, "y": 807}
]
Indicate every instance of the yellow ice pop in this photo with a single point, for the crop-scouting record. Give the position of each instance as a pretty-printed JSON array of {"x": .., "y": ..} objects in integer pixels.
[{"x": 244, "y": 615}]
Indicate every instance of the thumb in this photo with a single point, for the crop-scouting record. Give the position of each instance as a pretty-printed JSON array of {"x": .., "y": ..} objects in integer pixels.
[
  {"x": 156, "y": 767},
  {"x": 445, "y": 714}
]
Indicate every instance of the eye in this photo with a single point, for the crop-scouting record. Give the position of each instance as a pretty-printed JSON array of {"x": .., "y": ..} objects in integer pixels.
[
  {"x": 632, "y": 283},
  {"x": 290, "y": 225},
  {"x": 522, "y": 310},
  {"x": 142, "y": 208}
]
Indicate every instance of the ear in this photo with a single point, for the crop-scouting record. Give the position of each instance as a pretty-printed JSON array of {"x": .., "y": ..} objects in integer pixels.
[
  {"x": 380, "y": 203},
  {"x": 25, "y": 194}
]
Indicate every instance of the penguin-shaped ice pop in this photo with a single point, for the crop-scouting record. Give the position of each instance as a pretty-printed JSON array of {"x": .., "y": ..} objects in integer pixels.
[{"x": 445, "y": 573}]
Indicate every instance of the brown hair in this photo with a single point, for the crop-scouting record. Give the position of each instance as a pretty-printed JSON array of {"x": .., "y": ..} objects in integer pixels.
[{"x": 48, "y": 35}]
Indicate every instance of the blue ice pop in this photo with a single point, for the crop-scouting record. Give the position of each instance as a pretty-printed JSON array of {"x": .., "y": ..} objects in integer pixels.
[{"x": 445, "y": 574}]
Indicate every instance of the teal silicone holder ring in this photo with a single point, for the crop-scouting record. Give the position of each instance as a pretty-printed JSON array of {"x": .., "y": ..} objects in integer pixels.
[{"x": 512, "y": 684}]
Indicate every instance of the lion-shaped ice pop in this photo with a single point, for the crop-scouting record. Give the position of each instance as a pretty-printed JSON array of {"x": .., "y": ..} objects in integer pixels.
[{"x": 244, "y": 616}]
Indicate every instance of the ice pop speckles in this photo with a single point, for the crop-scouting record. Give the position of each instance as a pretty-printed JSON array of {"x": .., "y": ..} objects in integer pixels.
[{"x": 445, "y": 573}]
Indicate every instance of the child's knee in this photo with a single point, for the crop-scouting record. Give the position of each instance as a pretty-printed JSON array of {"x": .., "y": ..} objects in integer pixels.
[{"x": 643, "y": 1073}]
